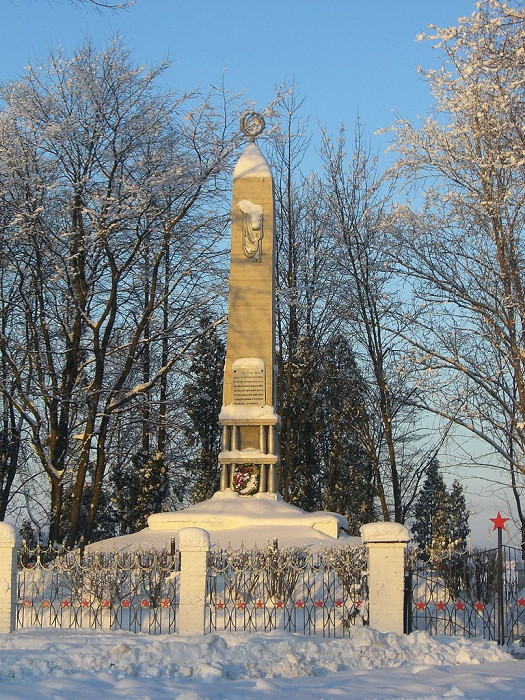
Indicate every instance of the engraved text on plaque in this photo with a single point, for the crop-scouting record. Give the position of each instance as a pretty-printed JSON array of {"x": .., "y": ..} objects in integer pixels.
[{"x": 249, "y": 386}]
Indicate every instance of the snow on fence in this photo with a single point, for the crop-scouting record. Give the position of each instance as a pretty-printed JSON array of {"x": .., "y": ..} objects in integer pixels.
[
  {"x": 289, "y": 589},
  {"x": 134, "y": 591},
  {"x": 193, "y": 590},
  {"x": 478, "y": 594}
]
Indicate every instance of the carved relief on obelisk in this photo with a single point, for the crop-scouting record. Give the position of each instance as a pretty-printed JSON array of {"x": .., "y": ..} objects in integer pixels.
[{"x": 249, "y": 420}]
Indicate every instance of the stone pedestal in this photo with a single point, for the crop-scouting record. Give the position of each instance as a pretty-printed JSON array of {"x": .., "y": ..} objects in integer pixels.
[
  {"x": 194, "y": 545},
  {"x": 386, "y": 544},
  {"x": 8, "y": 577}
]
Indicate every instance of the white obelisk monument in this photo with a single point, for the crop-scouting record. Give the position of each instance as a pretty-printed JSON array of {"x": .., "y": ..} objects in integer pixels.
[
  {"x": 248, "y": 501},
  {"x": 249, "y": 419}
]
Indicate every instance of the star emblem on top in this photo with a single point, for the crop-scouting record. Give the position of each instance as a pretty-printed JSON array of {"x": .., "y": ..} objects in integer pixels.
[{"x": 499, "y": 522}]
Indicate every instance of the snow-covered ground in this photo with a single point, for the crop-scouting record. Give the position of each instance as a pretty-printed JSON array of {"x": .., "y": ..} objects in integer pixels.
[{"x": 82, "y": 665}]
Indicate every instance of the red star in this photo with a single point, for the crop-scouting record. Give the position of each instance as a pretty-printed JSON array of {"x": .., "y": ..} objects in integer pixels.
[
  {"x": 479, "y": 606},
  {"x": 499, "y": 522},
  {"x": 358, "y": 603},
  {"x": 460, "y": 605},
  {"x": 105, "y": 603},
  {"x": 145, "y": 603},
  {"x": 260, "y": 604},
  {"x": 28, "y": 603},
  {"x": 279, "y": 604},
  {"x": 299, "y": 604},
  {"x": 220, "y": 605},
  {"x": 125, "y": 603},
  {"x": 240, "y": 605},
  {"x": 421, "y": 605},
  {"x": 165, "y": 603},
  {"x": 66, "y": 603},
  {"x": 440, "y": 605},
  {"x": 338, "y": 603},
  {"x": 46, "y": 603},
  {"x": 521, "y": 601},
  {"x": 319, "y": 603}
]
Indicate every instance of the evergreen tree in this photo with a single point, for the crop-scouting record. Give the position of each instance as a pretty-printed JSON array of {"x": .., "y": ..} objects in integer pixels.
[
  {"x": 28, "y": 535},
  {"x": 140, "y": 489},
  {"x": 346, "y": 472},
  {"x": 429, "y": 526},
  {"x": 299, "y": 432},
  {"x": 459, "y": 529},
  {"x": 203, "y": 401},
  {"x": 440, "y": 517},
  {"x": 323, "y": 412}
]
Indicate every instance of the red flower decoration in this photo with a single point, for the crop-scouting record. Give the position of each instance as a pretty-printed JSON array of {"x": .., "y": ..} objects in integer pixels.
[
  {"x": 165, "y": 603},
  {"x": 27, "y": 603},
  {"x": 105, "y": 603},
  {"x": 460, "y": 605},
  {"x": 145, "y": 603},
  {"x": 338, "y": 603},
  {"x": 85, "y": 603},
  {"x": 220, "y": 605},
  {"x": 240, "y": 605},
  {"x": 279, "y": 604},
  {"x": 46, "y": 603},
  {"x": 259, "y": 604},
  {"x": 479, "y": 606},
  {"x": 521, "y": 601},
  {"x": 66, "y": 603},
  {"x": 126, "y": 603},
  {"x": 299, "y": 604},
  {"x": 421, "y": 605},
  {"x": 440, "y": 605},
  {"x": 319, "y": 603}
]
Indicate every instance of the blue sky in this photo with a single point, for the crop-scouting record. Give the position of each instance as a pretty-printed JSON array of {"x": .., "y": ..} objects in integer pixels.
[{"x": 346, "y": 56}]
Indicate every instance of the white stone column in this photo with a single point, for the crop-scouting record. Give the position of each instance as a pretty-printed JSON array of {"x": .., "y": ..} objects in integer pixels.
[
  {"x": 386, "y": 544},
  {"x": 194, "y": 545},
  {"x": 8, "y": 577}
]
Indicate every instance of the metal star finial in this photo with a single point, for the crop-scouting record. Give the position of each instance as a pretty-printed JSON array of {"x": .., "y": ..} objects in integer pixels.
[{"x": 499, "y": 522}]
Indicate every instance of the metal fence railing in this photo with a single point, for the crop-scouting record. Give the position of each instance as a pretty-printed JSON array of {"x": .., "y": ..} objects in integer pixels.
[
  {"x": 288, "y": 589},
  {"x": 474, "y": 594},
  {"x": 135, "y": 591}
]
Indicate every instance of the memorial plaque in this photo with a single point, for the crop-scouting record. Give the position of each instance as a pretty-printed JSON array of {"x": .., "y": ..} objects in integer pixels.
[{"x": 249, "y": 386}]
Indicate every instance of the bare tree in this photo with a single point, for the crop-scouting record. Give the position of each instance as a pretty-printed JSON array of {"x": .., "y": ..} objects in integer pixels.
[
  {"x": 370, "y": 299},
  {"x": 113, "y": 190},
  {"x": 463, "y": 251},
  {"x": 304, "y": 312}
]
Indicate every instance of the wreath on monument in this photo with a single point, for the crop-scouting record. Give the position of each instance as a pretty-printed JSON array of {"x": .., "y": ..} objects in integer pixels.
[{"x": 246, "y": 479}]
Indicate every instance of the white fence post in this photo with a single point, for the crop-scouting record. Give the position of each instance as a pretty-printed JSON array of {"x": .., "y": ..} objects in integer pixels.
[
  {"x": 386, "y": 544},
  {"x": 194, "y": 545},
  {"x": 8, "y": 577}
]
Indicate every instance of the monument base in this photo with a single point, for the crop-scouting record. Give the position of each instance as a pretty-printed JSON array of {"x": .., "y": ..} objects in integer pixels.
[
  {"x": 238, "y": 521},
  {"x": 227, "y": 510}
]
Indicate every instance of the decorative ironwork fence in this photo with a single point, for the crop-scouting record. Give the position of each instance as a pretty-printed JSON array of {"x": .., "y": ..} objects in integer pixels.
[
  {"x": 294, "y": 590},
  {"x": 462, "y": 594},
  {"x": 135, "y": 591}
]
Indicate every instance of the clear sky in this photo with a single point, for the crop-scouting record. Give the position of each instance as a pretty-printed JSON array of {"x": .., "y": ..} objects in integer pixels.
[{"x": 346, "y": 56}]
